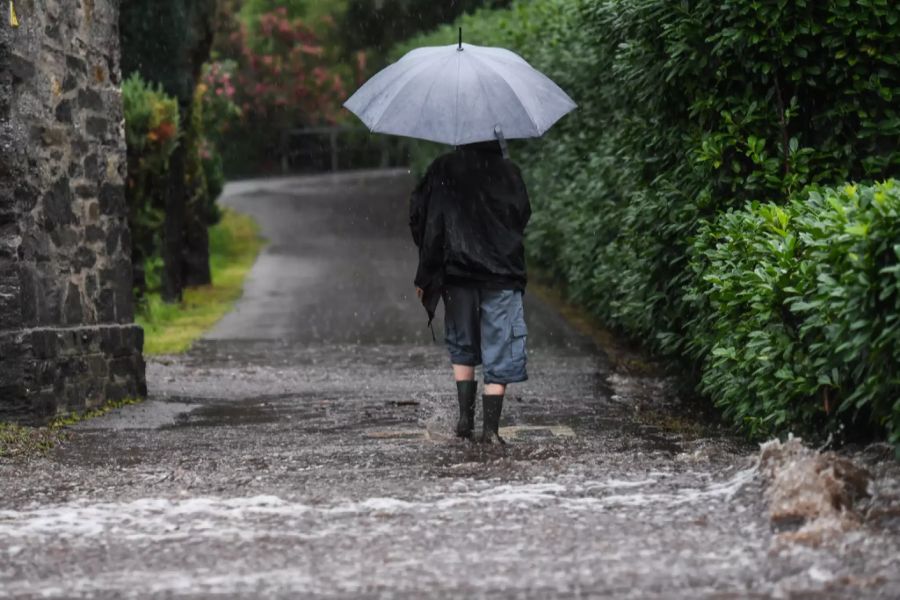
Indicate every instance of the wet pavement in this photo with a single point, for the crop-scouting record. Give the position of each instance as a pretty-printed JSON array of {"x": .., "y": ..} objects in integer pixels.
[{"x": 303, "y": 449}]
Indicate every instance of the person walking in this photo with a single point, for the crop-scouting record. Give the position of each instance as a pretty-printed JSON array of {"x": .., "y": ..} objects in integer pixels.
[
  {"x": 468, "y": 217},
  {"x": 469, "y": 212}
]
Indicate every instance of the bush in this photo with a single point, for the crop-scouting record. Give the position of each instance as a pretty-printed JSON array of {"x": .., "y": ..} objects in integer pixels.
[
  {"x": 798, "y": 310},
  {"x": 152, "y": 133},
  {"x": 280, "y": 75},
  {"x": 700, "y": 107},
  {"x": 686, "y": 110}
]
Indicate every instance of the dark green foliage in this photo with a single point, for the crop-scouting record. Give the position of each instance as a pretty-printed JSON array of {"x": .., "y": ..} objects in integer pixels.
[
  {"x": 376, "y": 25},
  {"x": 797, "y": 311},
  {"x": 214, "y": 172},
  {"x": 689, "y": 108},
  {"x": 705, "y": 105},
  {"x": 167, "y": 42}
]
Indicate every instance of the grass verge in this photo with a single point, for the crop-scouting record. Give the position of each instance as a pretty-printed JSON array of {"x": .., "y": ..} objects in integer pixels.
[
  {"x": 20, "y": 440},
  {"x": 234, "y": 244},
  {"x": 24, "y": 441}
]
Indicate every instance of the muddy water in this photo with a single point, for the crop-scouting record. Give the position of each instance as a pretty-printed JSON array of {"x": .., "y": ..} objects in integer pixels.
[{"x": 304, "y": 450}]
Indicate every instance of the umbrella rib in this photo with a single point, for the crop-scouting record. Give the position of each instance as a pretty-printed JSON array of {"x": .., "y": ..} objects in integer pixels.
[
  {"x": 515, "y": 95},
  {"x": 491, "y": 108},
  {"x": 423, "y": 68},
  {"x": 456, "y": 106},
  {"x": 430, "y": 89},
  {"x": 399, "y": 94},
  {"x": 522, "y": 65}
]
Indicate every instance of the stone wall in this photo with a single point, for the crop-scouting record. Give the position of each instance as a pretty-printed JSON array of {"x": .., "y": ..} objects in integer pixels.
[{"x": 67, "y": 338}]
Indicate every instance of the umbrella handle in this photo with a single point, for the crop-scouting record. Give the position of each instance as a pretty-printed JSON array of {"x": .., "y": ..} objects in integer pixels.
[{"x": 498, "y": 131}]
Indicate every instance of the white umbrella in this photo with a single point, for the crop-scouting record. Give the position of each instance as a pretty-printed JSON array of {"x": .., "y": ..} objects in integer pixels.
[{"x": 460, "y": 94}]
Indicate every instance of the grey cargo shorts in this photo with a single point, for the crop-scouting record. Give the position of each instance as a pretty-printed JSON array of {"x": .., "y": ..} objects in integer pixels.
[{"x": 487, "y": 327}]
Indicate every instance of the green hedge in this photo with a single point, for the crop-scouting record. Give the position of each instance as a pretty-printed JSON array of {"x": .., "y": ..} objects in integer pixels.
[
  {"x": 688, "y": 109},
  {"x": 797, "y": 311}
]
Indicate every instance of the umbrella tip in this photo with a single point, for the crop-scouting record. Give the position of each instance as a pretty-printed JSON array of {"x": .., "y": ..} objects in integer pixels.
[{"x": 460, "y": 40}]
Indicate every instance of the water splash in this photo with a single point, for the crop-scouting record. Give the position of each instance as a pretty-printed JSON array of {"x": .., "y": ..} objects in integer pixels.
[{"x": 813, "y": 494}]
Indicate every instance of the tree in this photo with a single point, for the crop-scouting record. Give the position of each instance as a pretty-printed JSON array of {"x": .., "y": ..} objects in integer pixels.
[{"x": 167, "y": 44}]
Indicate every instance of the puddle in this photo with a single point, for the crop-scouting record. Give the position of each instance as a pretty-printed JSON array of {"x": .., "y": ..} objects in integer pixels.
[{"x": 229, "y": 415}]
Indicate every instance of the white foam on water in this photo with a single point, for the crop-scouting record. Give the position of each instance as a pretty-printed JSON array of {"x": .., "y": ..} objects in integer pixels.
[
  {"x": 376, "y": 505},
  {"x": 257, "y": 516},
  {"x": 139, "y": 584},
  {"x": 618, "y": 483},
  {"x": 150, "y": 515},
  {"x": 724, "y": 490}
]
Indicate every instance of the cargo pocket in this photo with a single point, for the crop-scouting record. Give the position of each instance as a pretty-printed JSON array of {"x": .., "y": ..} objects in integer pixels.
[{"x": 519, "y": 338}]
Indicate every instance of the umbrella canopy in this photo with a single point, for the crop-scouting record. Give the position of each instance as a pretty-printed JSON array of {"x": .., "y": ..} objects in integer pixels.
[{"x": 460, "y": 94}]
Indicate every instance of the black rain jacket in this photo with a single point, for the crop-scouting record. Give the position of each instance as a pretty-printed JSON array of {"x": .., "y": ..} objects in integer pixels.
[{"x": 468, "y": 218}]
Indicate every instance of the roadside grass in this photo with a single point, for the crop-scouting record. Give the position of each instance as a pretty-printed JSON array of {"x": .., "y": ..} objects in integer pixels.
[
  {"x": 26, "y": 441},
  {"x": 20, "y": 440},
  {"x": 77, "y": 417},
  {"x": 234, "y": 244}
]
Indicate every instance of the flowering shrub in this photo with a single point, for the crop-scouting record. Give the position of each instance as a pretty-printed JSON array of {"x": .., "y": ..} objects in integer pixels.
[
  {"x": 216, "y": 114},
  {"x": 152, "y": 133},
  {"x": 287, "y": 77},
  {"x": 217, "y": 94},
  {"x": 279, "y": 74}
]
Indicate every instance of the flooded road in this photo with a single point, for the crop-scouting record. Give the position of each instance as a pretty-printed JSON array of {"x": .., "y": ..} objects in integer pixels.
[{"x": 304, "y": 449}]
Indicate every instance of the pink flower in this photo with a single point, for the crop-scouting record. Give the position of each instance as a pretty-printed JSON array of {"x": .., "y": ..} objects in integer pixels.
[{"x": 311, "y": 50}]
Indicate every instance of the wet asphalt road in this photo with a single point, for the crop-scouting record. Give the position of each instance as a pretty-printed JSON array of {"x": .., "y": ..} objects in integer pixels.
[{"x": 302, "y": 450}]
